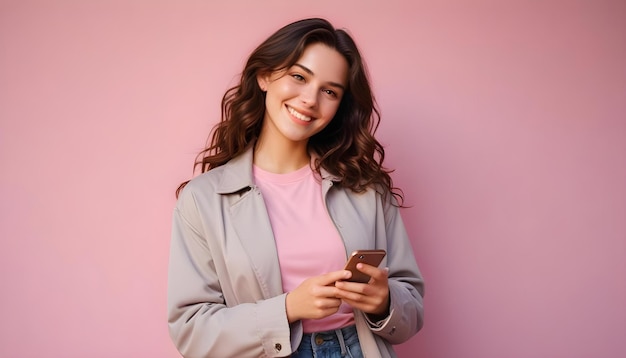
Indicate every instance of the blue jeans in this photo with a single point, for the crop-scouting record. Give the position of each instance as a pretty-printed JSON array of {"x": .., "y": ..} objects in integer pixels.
[{"x": 338, "y": 343}]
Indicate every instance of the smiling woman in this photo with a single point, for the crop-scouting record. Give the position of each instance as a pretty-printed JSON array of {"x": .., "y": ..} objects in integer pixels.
[
  {"x": 300, "y": 102},
  {"x": 292, "y": 181}
]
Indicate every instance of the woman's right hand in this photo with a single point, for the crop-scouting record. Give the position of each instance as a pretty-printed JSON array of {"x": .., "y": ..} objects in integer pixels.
[{"x": 315, "y": 297}]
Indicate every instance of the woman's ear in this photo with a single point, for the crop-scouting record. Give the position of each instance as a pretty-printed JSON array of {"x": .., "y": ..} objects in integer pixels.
[{"x": 262, "y": 80}]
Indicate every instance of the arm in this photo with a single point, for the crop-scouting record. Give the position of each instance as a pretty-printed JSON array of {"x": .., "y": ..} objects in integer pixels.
[
  {"x": 406, "y": 285},
  {"x": 201, "y": 324},
  {"x": 392, "y": 301}
]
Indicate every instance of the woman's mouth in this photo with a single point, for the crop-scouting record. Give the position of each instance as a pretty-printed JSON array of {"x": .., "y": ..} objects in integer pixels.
[{"x": 298, "y": 115}]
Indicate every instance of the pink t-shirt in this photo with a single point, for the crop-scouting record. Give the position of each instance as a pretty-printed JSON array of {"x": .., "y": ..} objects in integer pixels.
[{"x": 307, "y": 240}]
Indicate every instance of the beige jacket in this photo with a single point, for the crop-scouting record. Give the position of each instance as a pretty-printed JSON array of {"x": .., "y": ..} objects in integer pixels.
[{"x": 225, "y": 297}]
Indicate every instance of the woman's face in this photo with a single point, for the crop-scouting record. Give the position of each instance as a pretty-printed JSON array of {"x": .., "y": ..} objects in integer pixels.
[{"x": 304, "y": 98}]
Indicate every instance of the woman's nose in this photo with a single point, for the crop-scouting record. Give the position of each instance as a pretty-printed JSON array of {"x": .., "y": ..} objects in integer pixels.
[{"x": 309, "y": 96}]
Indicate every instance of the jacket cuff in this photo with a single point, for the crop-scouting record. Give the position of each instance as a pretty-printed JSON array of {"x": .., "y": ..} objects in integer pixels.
[{"x": 273, "y": 328}]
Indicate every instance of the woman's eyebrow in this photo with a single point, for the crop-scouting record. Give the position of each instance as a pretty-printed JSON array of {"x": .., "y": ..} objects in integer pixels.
[{"x": 307, "y": 70}]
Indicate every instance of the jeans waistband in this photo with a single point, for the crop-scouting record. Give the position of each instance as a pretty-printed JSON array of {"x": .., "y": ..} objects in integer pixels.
[{"x": 342, "y": 336}]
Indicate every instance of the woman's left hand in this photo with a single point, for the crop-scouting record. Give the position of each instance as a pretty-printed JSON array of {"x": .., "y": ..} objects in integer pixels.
[{"x": 371, "y": 297}]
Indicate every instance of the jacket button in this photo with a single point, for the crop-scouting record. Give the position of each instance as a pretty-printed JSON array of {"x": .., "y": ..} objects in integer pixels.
[
  {"x": 393, "y": 330},
  {"x": 278, "y": 347}
]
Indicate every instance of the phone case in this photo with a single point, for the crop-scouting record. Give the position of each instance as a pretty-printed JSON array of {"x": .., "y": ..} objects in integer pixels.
[{"x": 370, "y": 257}]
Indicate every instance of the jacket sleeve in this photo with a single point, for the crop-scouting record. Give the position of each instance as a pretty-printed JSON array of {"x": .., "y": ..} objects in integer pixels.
[
  {"x": 200, "y": 322},
  {"x": 406, "y": 285}
]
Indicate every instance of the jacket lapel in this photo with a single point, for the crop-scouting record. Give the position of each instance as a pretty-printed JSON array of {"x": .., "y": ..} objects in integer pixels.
[{"x": 251, "y": 222}]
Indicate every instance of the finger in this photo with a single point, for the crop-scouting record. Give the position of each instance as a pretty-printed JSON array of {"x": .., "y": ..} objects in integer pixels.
[
  {"x": 349, "y": 286},
  {"x": 372, "y": 271},
  {"x": 323, "y": 308},
  {"x": 368, "y": 303},
  {"x": 331, "y": 277},
  {"x": 362, "y": 305},
  {"x": 357, "y": 291},
  {"x": 382, "y": 276},
  {"x": 350, "y": 293}
]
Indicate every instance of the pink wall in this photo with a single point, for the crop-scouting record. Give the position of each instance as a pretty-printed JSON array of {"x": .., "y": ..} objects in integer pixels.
[{"x": 506, "y": 123}]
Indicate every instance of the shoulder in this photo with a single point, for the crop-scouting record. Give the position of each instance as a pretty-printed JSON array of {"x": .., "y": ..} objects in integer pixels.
[
  {"x": 205, "y": 181},
  {"x": 366, "y": 200},
  {"x": 198, "y": 193},
  {"x": 376, "y": 193},
  {"x": 377, "y": 199},
  {"x": 231, "y": 177}
]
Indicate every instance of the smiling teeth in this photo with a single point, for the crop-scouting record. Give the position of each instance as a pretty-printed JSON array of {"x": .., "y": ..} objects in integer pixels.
[{"x": 299, "y": 115}]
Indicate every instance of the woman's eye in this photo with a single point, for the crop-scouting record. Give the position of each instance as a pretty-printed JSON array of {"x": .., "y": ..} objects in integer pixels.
[
  {"x": 330, "y": 93},
  {"x": 298, "y": 77}
]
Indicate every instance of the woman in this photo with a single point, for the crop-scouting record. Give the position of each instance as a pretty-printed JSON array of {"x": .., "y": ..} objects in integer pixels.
[{"x": 292, "y": 181}]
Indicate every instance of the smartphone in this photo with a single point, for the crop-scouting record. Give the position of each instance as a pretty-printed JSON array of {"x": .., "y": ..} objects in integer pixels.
[{"x": 370, "y": 257}]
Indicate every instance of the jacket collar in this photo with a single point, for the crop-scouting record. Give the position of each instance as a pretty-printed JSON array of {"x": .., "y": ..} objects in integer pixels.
[{"x": 237, "y": 173}]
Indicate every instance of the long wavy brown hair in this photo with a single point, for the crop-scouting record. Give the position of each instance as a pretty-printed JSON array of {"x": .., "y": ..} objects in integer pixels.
[{"x": 346, "y": 147}]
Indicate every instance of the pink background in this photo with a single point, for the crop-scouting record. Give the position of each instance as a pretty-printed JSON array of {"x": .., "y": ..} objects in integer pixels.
[{"x": 505, "y": 120}]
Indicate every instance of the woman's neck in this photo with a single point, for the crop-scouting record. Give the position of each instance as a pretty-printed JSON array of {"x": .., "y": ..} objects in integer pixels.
[{"x": 280, "y": 156}]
